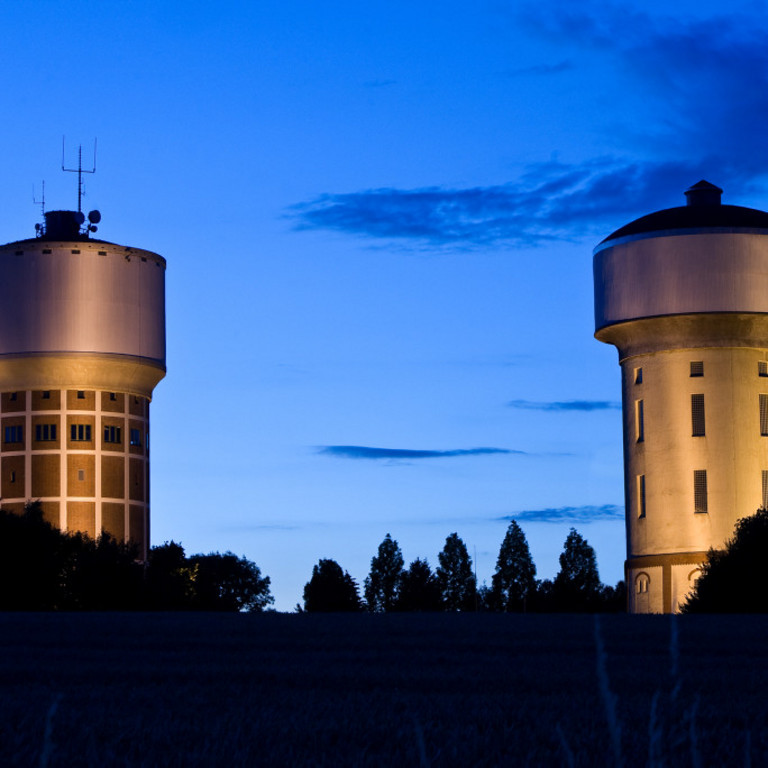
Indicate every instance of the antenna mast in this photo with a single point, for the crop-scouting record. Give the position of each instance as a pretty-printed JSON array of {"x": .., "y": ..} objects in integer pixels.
[
  {"x": 40, "y": 202},
  {"x": 79, "y": 170}
]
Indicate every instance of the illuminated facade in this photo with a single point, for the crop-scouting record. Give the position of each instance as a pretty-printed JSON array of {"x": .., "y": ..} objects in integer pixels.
[
  {"x": 683, "y": 295},
  {"x": 82, "y": 346}
]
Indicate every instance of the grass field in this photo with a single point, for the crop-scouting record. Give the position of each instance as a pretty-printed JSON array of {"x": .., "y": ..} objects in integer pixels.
[{"x": 388, "y": 690}]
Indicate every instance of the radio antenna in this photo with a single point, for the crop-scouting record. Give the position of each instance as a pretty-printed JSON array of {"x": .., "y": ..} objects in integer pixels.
[
  {"x": 40, "y": 202},
  {"x": 79, "y": 170}
]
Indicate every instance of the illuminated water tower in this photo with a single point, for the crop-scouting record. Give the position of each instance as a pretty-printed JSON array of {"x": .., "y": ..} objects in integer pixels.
[
  {"x": 82, "y": 346},
  {"x": 683, "y": 295}
]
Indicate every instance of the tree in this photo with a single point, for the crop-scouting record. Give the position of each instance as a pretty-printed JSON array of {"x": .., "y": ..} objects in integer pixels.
[
  {"x": 515, "y": 576},
  {"x": 169, "y": 579},
  {"x": 577, "y": 585},
  {"x": 228, "y": 583},
  {"x": 419, "y": 590},
  {"x": 454, "y": 576},
  {"x": 734, "y": 580},
  {"x": 382, "y": 585},
  {"x": 331, "y": 589}
]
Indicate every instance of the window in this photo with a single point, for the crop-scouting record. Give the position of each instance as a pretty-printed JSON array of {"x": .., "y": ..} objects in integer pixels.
[
  {"x": 697, "y": 415},
  {"x": 639, "y": 421},
  {"x": 12, "y": 396},
  {"x": 764, "y": 415},
  {"x": 762, "y": 368},
  {"x": 112, "y": 434},
  {"x": 80, "y": 433},
  {"x": 80, "y": 394},
  {"x": 641, "y": 495},
  {"x": 45, "y": 432},
  {"x": 81, "y": 474},
  {"x": 14, "y": 434},
  {"x": 697, "y": 368},
  {"x": 112, "y": 396},
  {"x": 700, "y": 490},
  {"x": 13, "y": 476},
  {"x": 765, "y": 489},
  {"x": 642, "y": 582},
  {"x": 639, "y": 375},
  {"x": 47, "y": 394},
  {"x": 136, "y": 437}
]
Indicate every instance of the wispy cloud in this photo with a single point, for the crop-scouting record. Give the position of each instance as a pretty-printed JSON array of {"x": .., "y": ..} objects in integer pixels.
[
  {"x": 364, "y": 452},
  {"x": 672, "y": 67},
  {"x": 584, "y": 514},
  {"x": 566, "y": 405}
]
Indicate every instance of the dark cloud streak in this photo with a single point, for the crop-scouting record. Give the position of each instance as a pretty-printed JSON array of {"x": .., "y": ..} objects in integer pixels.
[
  {"x": 583, "y": 514},
  {"x": 365, "y": 452},
  {"x": 566, "y": 405}
]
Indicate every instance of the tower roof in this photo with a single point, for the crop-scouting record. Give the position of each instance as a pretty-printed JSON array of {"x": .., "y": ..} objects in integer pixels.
[{"x": 703, "y": 211}]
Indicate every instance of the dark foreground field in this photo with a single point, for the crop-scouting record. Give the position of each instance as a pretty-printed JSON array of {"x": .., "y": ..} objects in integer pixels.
[{"x": 395, "y": 690}]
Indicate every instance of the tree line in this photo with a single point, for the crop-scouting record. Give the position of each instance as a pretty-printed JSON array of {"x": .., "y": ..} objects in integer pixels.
[
  {"x": 43, "y": 568},
  {"x": 390, "y": 586}
]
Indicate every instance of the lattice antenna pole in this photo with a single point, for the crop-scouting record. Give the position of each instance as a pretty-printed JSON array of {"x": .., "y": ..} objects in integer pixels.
[{"x": 79, "y": 170}]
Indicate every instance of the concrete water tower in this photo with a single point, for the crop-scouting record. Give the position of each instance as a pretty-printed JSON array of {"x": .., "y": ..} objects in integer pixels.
[
  {"x": 683, "y": 295},
  {"x": 82, "y": 346}
]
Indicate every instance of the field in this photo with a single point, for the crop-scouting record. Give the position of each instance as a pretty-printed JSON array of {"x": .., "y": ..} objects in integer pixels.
[{"x": 389, "y": 690}]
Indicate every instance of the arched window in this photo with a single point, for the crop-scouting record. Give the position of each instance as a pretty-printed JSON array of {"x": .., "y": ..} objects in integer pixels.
[{"x": 642, "y": 583}]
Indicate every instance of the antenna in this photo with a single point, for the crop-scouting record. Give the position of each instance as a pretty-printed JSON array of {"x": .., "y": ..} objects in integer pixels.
[
  {"x": 40, "y": 202},
  {"x": 79, "y": 170}
]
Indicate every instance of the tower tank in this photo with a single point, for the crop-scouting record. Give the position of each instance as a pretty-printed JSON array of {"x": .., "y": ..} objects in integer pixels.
[
  {"x": 683, "y": 295},
  {"x": 82, "y": 346}
]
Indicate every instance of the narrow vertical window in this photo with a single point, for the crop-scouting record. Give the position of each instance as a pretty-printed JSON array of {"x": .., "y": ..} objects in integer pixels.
[
  {"x": 765, "y": 489},
  {"x": 762, "y": 368},
  {"x": 639, "y": 421},
  {"x": 697, "y": 415},
  {"x": 764, "y": 415},
  {"x": 697, "y": 368},
  {"x": 641, "y": 495},
  {"x": 700, "y": 490},
  {"x": 639, "y": 375}
]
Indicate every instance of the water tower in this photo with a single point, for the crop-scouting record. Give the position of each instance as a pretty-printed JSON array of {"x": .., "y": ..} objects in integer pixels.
[
  {"x": 683, "y": 295},
  {"x": 82, "y": 346}
]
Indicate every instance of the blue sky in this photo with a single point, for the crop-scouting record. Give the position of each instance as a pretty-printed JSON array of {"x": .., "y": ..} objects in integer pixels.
[{"x": 378, "y": 220}]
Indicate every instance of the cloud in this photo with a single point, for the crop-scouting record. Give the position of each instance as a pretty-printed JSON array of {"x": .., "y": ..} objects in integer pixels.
[
  {"x": 363, "y": 452},
  {"x": 566, "y": 405},
  {"x": 698, "y": 91},
  {"x": 584, "y": 514}
]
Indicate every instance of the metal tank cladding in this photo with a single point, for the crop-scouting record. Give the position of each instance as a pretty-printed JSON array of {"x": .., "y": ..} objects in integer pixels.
[
  {"x": 683, "y": 295},
  {"x": 82, "y": 346}
]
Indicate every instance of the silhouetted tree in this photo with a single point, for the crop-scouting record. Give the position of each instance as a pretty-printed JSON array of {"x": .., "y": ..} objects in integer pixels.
[
  {"x": 454, "y": 576},
  {"x": 382, "y": 585},
  {"x": 331, "y": 589},
  {"x": 735, "y": 580},
  {"x": 419, "y": 590},
  {"x": 169, "y": 579},
  {"x": 577, "y": 585},
  {"x": 614, "y": 599},
  {"x": 515, "y": 576},
  {"x": 35, "y": 561},
  {"x": 228, "y": 583}
]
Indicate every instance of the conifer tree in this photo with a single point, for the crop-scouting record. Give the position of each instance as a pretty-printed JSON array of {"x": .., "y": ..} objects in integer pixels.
[
  {"x": 577, "y": 586},
  {"x": 515, "y": 576},
  {"x": 458, "y": 587},
  {"x": 382, "y": 585}
]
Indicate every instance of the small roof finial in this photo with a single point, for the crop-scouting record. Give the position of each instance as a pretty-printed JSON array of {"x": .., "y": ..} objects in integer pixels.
[{"x": 703, "y": 193}]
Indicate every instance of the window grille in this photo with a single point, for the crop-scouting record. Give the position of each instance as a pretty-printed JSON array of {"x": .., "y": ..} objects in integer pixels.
[
  {"x": 641, "y": 495},
  {"x": 700, "y": 490},
  {"x": 697, "y": 368},
  {"x": 13, "y": 434},
  {"x": 765, "y": 489},
  {"x": 764, "y": 415},
  {"x": 697, "y": 415},
  {"x": 112, "y": 434},
  {"x": 762, "y": 368},
  {"x": 639, "y": 421}
]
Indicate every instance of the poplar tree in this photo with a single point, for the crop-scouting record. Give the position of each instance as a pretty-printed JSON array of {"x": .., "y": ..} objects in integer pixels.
[
  {"x": 515, "y": 576},
  {"x": 382, "y": 585},
  {"x": 458, "y": 586}
]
